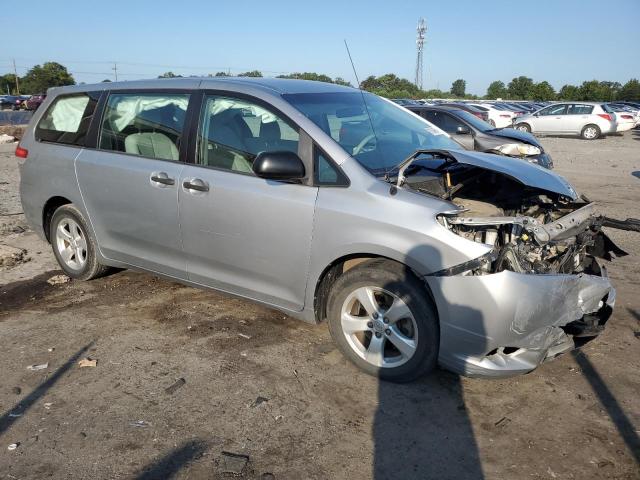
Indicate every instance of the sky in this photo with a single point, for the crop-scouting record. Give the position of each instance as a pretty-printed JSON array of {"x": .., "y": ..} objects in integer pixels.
[{"x": 561, "y": 41}]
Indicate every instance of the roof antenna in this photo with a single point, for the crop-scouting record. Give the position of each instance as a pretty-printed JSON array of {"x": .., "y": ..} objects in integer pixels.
[{"x": 362, "y": 94}]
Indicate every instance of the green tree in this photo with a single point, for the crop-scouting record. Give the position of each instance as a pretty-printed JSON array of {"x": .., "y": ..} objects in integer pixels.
[
  {"x": 169, "y": 75},
  {"x": 520, "y": 88},
  {"x": 543, "y": 91},
  {"x": 496, "y": 90},
  {"x": 8, "y": 84},
  {"x": 630, "y": 90},
  {"x": 342, "y": 81},
  {"x": 252, "y": 73},
  {"x": 318, "y": 77},
  {"x": 40, "y": 78},
  {"x": 221, "y": 74},
  {"x": 569, "y": 92},
  {"x": 458, "y": 88},
  {"x": 106, "y": 80}
]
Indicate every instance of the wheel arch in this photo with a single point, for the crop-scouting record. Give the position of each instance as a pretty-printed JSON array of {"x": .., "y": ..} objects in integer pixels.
[
  {"x": 343, "y": 264},
  {"x": 48, "y": 210}
]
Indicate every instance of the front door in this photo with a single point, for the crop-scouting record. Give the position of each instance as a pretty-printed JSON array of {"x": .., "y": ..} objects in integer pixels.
[
  {"x": 130, "y": 183},
  {"x": 243, "y": 234},
  {"x": 550, "y": 120}
]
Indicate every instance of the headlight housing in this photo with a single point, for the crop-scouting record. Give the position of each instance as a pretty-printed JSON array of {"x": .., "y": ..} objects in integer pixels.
[{"x": 518, "y": 149}]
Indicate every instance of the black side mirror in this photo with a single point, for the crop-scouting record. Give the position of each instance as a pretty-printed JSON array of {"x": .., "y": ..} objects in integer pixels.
[
  {"x": 281, "y": 165},
  {"x": 463, "y": 130}
]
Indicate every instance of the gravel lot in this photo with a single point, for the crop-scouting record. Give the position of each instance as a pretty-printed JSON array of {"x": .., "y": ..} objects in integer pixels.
[{"x": 276, "y": 393}]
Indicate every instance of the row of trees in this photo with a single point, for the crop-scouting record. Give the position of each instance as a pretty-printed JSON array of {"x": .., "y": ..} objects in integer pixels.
[
  {"x": 524, "y": 88},
  {"x": 52, "y": 74}
]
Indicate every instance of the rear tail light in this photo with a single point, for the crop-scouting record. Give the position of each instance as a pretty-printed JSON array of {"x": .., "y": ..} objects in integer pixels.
[
  {"x": 627, "y": 117},
  {"x": 606, "y": 116},
  {"x": 505, "y": 116},
  {"x": 21, "y": 152}
]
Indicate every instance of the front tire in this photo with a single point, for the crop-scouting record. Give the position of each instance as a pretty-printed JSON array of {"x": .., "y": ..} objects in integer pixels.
[
  {"x": 73, "y": 246},
  {"x": 382, "y": 319},
  {"x": 590, "y": 132},
  {"x": 523, "y": 127}
]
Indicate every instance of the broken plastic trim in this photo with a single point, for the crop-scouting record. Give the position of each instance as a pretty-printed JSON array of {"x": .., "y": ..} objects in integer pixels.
[{"x": 483, "y": 261}]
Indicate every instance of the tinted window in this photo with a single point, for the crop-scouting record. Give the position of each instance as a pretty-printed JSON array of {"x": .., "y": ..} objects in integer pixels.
[
  {"x": 233, "y": 131},
  {"x": 579, "y": 109},
  {"x": 145, "y": 124},
  {"x": 326, "y": 172},
  {"x": 443, "y": 120},
  {"x": 554, "y": 110},
  {"x": 68, "y": 118}
]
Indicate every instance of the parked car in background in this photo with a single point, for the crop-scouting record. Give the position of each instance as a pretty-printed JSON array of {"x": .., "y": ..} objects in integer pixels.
[
  {"x": 482, "y": 263},
  {"x": 589, "y": 120},
  {"x": 405, "y": 101},
  {"x": 472, "y": 109},
  {"x": 10, "y": 102},
  {"x": 498, "y": 118},
  {"x": 35, "y": 101},
  {"x": 476, "y": 134},
  {"x": 625, "y": 117}
]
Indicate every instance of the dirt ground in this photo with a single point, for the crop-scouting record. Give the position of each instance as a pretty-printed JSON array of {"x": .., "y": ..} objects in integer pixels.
[{"x": 267, "y": 397}]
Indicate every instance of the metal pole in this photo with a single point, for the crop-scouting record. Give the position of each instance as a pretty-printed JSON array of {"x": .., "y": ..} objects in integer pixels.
[
  {"x": 115, "y": 70},
  {"x": 15, "y": 72}
]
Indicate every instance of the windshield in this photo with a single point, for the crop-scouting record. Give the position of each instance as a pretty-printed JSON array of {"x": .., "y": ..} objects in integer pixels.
[{"x": 396, "y": 132}]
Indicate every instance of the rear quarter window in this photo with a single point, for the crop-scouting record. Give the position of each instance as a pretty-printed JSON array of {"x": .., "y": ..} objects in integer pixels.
[{"x": 67, "y": 119}]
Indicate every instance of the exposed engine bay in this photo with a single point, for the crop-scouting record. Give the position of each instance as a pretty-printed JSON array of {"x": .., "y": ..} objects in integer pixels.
[{"x": 532, "y": 230}]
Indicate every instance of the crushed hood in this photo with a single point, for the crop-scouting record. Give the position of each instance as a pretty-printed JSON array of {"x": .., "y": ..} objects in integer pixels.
[{"x": 526, "y": 173}]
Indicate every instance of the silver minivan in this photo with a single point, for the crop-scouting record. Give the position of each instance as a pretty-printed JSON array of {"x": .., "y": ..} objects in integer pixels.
[{"x": 329, "y": 204}]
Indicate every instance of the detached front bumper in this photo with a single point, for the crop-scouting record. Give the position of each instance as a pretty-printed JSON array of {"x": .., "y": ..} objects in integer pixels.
[{"x": 508, "y": 323}]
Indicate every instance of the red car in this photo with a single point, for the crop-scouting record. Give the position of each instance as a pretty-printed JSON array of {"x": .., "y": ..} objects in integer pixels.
[{"x": 35, "y": 101}]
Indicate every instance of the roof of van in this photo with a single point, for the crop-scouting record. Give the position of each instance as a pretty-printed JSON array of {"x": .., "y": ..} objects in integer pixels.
[{"x": 275, "y": 85}]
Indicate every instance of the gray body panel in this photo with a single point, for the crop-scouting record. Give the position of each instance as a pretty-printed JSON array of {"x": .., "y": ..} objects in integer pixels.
[{"x": 271, "y": 241}]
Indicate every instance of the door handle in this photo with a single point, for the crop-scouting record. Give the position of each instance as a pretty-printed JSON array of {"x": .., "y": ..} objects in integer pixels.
[
  {"x": 162, "y": 178},
  {"x": 196, "y": 184}
]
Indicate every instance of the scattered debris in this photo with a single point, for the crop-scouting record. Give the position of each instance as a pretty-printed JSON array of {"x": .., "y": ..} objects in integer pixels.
[
  {"x": 258, "y": 401},
  {"x": 552, "y": 473},
  {"x": 35, "y": 368},
  {"x": 88, "y": 362},
  {"x": 139, "y": 423},
  {"x": 4, "y": 138},
  {"x": 502, "y": 422},
  {"x": 13, "y": 446},
  {"x": 47, "y": 405},
  {"x": 605, "y": 463},
  {"x": 51, "y": 349},
  {"x": 14, "y": 415},
  {"x": 58, "y": 280},
  {"x": 244, "y": 336},
  {"x": 234, "y": 463},
  {"x": 16, "y": 390},
  {"x": 176, "y": 385},
  {"x": 11, "y": 256}
]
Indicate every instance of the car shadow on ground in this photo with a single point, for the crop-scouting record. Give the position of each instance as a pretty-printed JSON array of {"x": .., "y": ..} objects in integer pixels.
[
  {"x": 622, "y": 423},
  {"x": 18, "y": 410},
  {"x": 422, "y": 429},
  {"x": 636, "y": 134},
  {"x": 636, "y": 173},
  {"x": 174, "y": 461}
]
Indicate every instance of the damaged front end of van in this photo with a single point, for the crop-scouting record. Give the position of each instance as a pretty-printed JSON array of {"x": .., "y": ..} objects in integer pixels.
[{"x": 542, "y": 289}]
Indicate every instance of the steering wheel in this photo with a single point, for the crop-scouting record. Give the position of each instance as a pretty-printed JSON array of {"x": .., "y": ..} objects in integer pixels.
[{"x": 358, "y": 148}]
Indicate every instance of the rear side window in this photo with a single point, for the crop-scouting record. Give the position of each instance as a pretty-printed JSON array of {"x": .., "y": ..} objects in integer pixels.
[
  {"x": 579, "y": 109},
  {"x": 144, "y": 124},
  {"x": 68, "y": 118}
]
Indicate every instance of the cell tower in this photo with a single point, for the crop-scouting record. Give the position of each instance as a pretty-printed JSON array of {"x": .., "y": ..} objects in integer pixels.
[{"x": 422, "y": 29}]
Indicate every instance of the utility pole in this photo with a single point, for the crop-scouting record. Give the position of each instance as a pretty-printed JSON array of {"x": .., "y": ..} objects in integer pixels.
[
  {"x": 421, "y": 30},
  {"x": 115, "y": 70},
  {"x": 15, "y": 73}
]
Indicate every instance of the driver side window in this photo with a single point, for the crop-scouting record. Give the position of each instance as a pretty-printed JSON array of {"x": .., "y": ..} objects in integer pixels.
[{"x": 234, "y": 131}]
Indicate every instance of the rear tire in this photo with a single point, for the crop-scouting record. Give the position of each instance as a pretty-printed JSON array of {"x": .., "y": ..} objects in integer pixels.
[
  {"x": 394, "y": 332},
  {"x": 73, "y": 245},
  {"x": 590, "y": 132},
  {"x": 523, "y": 127}
]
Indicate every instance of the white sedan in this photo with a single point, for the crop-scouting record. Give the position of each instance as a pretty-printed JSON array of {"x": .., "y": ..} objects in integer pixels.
[{"x": 499, "y": 118}]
